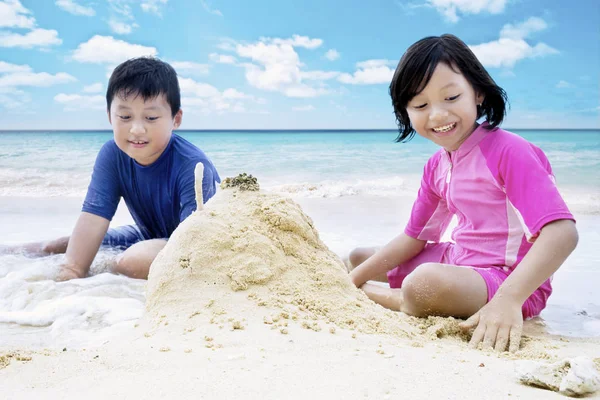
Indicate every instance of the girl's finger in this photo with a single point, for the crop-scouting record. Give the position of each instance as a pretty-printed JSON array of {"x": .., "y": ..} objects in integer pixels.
[
  {"x": 489, "y": 339},
  {"x": 471, "y": 322},
  {"x": 502, "y": 338},
  {"x": 477, "y": 336},
  {"x": 515, "y": 338}
]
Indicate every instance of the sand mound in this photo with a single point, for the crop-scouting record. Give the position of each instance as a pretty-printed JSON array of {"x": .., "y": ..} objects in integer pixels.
[
  {"x": 252, "y": 259},
  {"x": 255, "y": 256}
]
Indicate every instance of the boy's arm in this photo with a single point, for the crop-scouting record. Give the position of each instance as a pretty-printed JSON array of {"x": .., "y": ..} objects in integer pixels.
[
  {"x": 398, "y": 251},
  {"x": 501, "y": 320},
  {"x": 83, "y": 245}
]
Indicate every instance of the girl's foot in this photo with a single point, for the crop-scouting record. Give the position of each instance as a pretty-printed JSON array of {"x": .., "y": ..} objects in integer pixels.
[{"x": 384, "y": 296}]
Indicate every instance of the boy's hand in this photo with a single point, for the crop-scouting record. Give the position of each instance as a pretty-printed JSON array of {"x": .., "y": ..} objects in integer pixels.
[
  {"x": 68, "y": 272},
  {"x": 497, "y": 324}
]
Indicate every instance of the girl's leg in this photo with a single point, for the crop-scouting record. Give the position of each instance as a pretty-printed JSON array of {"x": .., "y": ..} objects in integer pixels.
[
  {"x": 434, "y": 289},
  {"x": 358, "y": 256}
]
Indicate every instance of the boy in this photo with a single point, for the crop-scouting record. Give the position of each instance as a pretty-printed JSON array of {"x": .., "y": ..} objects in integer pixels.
[{"x": 147, "y": 165}]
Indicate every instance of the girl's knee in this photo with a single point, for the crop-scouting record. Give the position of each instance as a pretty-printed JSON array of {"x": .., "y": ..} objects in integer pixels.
[
  {"x": 422, "y": 289},
  {"x": 359, "y": 255}
]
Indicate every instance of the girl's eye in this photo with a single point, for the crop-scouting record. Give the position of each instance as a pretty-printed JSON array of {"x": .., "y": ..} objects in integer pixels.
[
  {"x": 453, "y": 97},
  {"x": 124, "y": 117},
  {"x": 421, "y": 106}
]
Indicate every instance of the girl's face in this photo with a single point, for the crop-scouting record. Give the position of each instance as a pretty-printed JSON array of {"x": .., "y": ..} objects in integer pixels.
[{"x": 445, "y": 111}]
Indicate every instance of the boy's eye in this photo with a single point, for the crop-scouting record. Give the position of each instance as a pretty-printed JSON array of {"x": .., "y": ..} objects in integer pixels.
[
  {"x": 453, "y": 97},
  {"x": 124, "y": 117},
  {"x": 152, "y": 118}
]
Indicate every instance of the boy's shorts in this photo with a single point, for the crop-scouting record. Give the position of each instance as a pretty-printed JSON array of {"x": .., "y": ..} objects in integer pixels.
[
  {"x": 123, "y": 237},
  {"x": 493, "y": 277}
]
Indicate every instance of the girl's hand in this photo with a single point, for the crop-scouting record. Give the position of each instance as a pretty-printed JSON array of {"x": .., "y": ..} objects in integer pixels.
[{"x": 496, "y": 324}]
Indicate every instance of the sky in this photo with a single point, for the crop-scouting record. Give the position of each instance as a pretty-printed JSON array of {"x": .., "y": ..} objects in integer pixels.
[{"x": 282, "y": 64}]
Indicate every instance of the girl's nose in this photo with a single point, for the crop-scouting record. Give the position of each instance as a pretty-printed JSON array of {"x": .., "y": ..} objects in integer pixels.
[{"x": 438, "y": 113}]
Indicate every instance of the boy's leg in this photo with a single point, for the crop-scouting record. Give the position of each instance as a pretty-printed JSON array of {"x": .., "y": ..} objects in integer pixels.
[
  {"x": 358, "y": 256},
  {"x": 136, "y": 260},
  {"x": 434, "y": 289},
  {"x": 38, "y": 249}
]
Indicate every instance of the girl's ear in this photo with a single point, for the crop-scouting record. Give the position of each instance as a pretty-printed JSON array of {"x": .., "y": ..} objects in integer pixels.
[
  {"x": 479, "y": 98},
  {"x": 177, "y": 119}
]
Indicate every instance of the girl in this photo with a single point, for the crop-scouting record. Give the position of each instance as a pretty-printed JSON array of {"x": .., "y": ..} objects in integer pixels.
[{"x": 514, "y": 229}]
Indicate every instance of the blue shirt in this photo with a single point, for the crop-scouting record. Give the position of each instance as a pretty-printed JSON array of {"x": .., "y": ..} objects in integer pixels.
[{"x": 159, "y": 196}]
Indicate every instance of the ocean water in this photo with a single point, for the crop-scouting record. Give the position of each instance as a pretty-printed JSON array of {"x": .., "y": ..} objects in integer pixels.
[{"x": 358, "y": 187}]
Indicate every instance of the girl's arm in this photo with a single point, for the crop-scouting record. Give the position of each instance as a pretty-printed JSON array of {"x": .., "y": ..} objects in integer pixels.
[
  {"x": 501, "y": 321},
  {"x": 556, "y": 241},
  {"x": 401, "y": 249}
]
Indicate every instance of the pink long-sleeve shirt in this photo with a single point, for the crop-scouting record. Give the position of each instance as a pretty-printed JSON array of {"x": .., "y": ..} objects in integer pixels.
[{"x": 502, "y": 190}]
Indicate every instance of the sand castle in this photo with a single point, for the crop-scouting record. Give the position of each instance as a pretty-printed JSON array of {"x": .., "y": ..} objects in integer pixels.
[
  {"x": 253, "y": 260},
  {"x": 256, "y": 256}
]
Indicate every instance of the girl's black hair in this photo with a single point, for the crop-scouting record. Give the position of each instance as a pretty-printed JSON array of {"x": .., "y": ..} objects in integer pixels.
[
  {"x": 148, "y": 77},
  {"x": 416, "y": 68}
]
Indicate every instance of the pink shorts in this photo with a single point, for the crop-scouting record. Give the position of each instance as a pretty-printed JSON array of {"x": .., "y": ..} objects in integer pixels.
[{"x": 493, "y": 276}]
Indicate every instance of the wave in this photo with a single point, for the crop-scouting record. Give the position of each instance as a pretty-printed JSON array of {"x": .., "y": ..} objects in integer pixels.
[{"x": 392, "y": 186}]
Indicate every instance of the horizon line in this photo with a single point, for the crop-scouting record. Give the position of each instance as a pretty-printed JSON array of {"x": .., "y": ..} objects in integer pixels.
[{"x": 280, "y": 130}]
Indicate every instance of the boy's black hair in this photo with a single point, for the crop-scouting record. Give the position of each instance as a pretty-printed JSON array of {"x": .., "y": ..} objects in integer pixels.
[
  {"x": 416, "y": 68},
  {"x": 148, "y": 77}
]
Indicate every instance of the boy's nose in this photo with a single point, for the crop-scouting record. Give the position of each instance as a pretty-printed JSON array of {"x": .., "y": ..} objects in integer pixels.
[{"x": 137, "y": 127}]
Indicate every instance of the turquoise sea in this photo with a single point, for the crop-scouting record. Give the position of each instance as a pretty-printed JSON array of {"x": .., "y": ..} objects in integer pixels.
[{"x": 358, "y": 187}]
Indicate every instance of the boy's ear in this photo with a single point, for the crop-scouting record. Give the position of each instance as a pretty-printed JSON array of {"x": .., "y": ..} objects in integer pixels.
[
  {"x": 177, "y": 119},
  {"x": 108, "y": 114}
]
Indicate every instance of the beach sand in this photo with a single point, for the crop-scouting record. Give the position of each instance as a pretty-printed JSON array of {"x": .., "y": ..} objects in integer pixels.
[{"x": 246, "y": 301}]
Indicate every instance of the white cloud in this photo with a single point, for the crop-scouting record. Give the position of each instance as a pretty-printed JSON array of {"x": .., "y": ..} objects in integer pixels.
[
  {"x": 106, "y": 49},
  {"x": 511, "y": 47},
  {"x": 370, "y": 72},
  {"x": 563, "y": 85},
  {"x": 121, "y": 28},
  {"x": 190, "y": 67},
  {"x": 35, "y": 38},
  {"x": 8, "y": 67},
  {"x": 28, "y": 78},
  {"x": 207, "y": 99},
  {"x": 450, "y": 8},
  {"x": 78, "y": 101},
  {"x": 94, "y": 88},
  {"x": 276, "y": 66},
  {"x": 153, "y": 6},
  {"x": 296, "y": 41},
  {"x": 319, "y": 75},
  {"x": 121, "y": 7},
  {"x": 332, "y": 55},
  {"x": 222, "y": 58},
  {"x": 191, "y": 88},
  {"x": 14, "y": 15},
  {"x": 506, "y": 52},
  {"x": 304, "y": 108},
  {"x": 209, "y": 9},
  {"x": 9, "y": 102},
  {"x": 74, "y": 8},
  {"x": 524, "y": 29}
]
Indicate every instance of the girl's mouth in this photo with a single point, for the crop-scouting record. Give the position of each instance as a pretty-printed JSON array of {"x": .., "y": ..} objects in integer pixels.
[{"x": 445, "y": 129}]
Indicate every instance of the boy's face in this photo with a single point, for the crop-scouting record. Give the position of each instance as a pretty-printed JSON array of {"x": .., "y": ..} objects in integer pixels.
[{"x": 142, "y": 129}]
